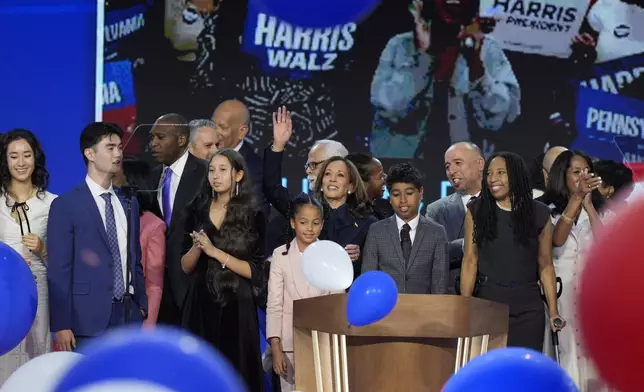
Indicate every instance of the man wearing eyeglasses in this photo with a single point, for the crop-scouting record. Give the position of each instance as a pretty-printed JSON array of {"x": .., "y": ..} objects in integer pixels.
[{"x": 320, "y": 152}]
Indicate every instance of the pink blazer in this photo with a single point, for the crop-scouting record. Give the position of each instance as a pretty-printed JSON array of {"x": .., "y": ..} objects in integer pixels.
[
  {"x": 286, "y": 284},
  {"x": 153, "y": 261}
]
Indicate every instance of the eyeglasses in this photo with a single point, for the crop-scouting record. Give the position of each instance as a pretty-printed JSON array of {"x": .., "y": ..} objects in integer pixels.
[{"x": 312, "y": 165}]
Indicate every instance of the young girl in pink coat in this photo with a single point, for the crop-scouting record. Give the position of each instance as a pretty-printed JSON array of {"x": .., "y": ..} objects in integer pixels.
[{"x": 287, "y": 284}]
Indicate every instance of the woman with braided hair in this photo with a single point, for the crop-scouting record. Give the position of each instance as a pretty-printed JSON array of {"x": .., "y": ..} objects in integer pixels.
[{"x": 508, "y": 250}]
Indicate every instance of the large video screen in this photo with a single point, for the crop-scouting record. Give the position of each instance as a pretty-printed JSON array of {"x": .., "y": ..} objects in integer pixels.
[{"x": 552, "y": 72}]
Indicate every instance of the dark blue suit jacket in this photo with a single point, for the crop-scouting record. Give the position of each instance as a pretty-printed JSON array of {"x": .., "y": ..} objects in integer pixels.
[{"x": 80, "y": 275}]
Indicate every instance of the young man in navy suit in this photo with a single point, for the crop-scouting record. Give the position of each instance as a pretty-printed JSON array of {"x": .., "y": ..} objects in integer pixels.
[{"x": 91, "y": 286}]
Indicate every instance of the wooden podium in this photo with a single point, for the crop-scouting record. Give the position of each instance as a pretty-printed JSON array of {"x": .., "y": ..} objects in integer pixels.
[{"x": 424, "y": 340}]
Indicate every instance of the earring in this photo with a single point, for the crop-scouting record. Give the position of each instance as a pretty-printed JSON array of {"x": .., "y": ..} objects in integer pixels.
[
  {"x": 349, "y": 192},
  {"x": 213, "y": 193},
  {"x": 236, "y": 189}
]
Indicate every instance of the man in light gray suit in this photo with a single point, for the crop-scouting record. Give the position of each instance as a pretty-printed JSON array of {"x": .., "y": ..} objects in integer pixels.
[
  {"x": 407, "y": 246},
  {"x": 464, "y": 168}
]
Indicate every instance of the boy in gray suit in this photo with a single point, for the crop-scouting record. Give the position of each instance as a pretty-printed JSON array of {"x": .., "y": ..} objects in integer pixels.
[{"x": 408, "y": 246}]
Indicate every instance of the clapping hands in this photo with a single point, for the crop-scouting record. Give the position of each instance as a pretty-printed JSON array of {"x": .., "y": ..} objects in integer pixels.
[
  {"x": 587, "y": 183},
  {"x": 201, "y": 241}
]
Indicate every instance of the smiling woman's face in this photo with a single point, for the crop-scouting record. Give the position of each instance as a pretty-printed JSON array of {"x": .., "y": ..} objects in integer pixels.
[
  {"x": 20, "y": 160},
  {"x": 578, "y": 167},
  {"x": 335, "y": 181}
]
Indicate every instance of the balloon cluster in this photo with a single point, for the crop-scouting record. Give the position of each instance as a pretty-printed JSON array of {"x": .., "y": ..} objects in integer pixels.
[
  {"x": 373, "y": 295},
  {"x": 129, "y": 359},
  {"x": 134, "y": 360}
]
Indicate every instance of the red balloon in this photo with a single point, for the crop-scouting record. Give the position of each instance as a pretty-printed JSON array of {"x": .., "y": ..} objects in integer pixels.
[{"x": 611, "y": 299}]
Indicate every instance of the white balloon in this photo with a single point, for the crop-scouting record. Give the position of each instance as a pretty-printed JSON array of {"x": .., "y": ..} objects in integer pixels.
[
  {"x": 42, "y": 373},
  {"x": 327, "y": 266}
]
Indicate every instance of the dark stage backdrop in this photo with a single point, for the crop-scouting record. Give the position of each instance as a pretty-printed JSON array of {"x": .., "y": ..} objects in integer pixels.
[{"x": 358, "y": 83}]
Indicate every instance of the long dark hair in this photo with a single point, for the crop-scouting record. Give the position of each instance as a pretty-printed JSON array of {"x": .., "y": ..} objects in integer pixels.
[
  {"x": 295, "y": 206},
  {"x": 137, "y": 173},
  {"x": 484, "y": 209},
  {"x": 358, "y": 201},
  {"x": 237, "y": 232},
  {"x": 40, "y": 176},
  {"x": 557, "y": 192}
]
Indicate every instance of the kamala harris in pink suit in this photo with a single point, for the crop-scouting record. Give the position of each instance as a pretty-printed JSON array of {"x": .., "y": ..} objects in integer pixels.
[{"x": 153, "y": 261}]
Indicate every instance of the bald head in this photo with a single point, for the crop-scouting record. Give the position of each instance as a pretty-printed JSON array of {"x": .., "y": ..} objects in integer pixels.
[
  {"x": 548, "y": 159},
  {"x": 464, "y": 167},
  {"x": 466, "y": 147},
  {"x": 169, "y": 138},
  {"x": 176, "y": 122},
  {"x": 232, "y": 119},
  {"x": 551, "y": 155}
]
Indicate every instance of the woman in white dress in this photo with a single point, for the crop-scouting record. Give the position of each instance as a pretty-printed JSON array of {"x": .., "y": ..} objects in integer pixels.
[
  {"x": 24, "y": 208},
  {"x": 571, "y": 183}
]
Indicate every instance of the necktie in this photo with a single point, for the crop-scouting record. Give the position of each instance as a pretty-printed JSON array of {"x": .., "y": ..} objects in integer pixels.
[
  {"x": 113, "y": 242},
  {"x": 405, "y": 241},
  {"x": 165, "y": 196}
]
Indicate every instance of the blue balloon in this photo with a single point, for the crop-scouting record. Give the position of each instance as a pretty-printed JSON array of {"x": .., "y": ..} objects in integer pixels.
[
  {"x": 317, "y": 13},
  {"x": 166, "y": 357},
  {"x": 371, "y": 298},
  {"x": 18, "y": 298},
  {"x": 509, "y": 370}
]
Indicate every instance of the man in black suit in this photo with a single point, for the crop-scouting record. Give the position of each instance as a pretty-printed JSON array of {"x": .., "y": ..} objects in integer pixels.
[
  {"x": 464, "y": 168},
  {"x": 177, "y": 178},
  {"x": 232, "y": 119}
]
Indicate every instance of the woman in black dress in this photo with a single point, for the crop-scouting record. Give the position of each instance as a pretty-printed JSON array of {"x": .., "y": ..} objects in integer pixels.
[
  {"x": 508, "y": 250},
  {"x": 224, "y": 237}
]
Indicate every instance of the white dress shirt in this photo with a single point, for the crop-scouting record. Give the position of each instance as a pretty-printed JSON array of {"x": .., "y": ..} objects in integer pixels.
[
  {"x": 239, "y": 146},
  {"x": 177, "y": 171},
  {"x": 119, "y": 218},
  {"x": 465, "y": 198},
  {"x": 412, "y": 223},
  {"x": 537, "y": 193}
]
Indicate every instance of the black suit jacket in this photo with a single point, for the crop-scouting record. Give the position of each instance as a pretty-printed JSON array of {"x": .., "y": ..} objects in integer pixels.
[
  {"x": 255, "y": 166},
  {"x": 278, "y": 196},
  {"x": 194, "y": 173}
]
